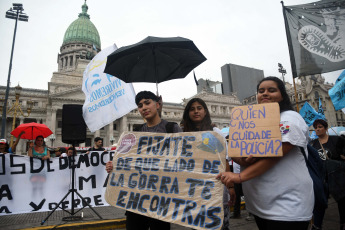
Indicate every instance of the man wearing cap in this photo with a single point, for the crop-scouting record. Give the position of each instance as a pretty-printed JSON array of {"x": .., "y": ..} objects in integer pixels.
[{"x": 5, "y": 148}]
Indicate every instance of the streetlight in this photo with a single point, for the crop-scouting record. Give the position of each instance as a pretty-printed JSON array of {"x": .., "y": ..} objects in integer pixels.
[
  {"x": 13, "y": 13},
  {"x": 282, "y": 71},
  {"x": 112, "y": 139},
  {"x": 52, "y": 139},
  {"x": 17, "y": 110}
]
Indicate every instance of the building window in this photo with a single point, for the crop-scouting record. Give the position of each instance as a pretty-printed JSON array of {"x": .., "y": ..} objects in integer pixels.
[
  {"x": 59, "y": 124},
  {"x": 71, "y": 60},
  {"x": 114, "y": 126}
]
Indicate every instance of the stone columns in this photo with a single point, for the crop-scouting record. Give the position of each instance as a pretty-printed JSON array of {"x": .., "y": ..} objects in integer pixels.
[
  {"x": 110, "y": 133},
  {"x": 97, "y": 133},
  {"x": 123, "y": 125},
  {"x": 53, "y": 120}
]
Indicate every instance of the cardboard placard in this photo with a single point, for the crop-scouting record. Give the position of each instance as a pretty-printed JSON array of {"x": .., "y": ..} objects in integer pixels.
[
  {"x": 170, "y": 177},
  {"x": 254, "y": 130}
]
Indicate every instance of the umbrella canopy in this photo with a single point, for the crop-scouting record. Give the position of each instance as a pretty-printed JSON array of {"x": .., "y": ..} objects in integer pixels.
[
  {"x": 154, "y": 60},
  {"x": 32, "y": 130},
  {"x": 335, "y": 131}
]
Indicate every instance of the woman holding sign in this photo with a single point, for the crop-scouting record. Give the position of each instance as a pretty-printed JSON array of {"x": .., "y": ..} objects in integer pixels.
[
  {"x": 278, "y": 190},
  {"x": 196, "y": 117}
]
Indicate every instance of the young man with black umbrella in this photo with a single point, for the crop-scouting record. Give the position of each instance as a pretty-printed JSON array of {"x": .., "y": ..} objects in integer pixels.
[{"x": 148, "y": 106}]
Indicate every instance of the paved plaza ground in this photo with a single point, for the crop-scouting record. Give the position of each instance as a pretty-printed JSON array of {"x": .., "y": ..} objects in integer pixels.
[{"x": 114, "y": 218}]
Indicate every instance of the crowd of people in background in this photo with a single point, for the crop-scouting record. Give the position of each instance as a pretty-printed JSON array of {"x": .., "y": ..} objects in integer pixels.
[{"x": 278, "y": 191}]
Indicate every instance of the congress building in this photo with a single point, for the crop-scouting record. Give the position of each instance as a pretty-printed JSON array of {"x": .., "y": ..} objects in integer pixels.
[{"x": 81, "y": 42}]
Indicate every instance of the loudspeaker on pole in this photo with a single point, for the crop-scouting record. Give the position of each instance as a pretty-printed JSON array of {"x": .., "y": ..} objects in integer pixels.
[{"x": 73, "y": 124}]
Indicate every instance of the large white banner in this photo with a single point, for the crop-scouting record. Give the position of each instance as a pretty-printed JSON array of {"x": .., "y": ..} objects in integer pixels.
[
  {"x": 107, "y": 98},
  {"x": 30, "y": 185}
]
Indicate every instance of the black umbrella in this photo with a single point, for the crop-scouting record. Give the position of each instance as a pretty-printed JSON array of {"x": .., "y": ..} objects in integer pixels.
[{"x": 154, "y": 60}]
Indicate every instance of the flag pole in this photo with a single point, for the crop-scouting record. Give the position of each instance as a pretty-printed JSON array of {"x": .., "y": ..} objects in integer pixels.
[{"x": 292, "y": 55}]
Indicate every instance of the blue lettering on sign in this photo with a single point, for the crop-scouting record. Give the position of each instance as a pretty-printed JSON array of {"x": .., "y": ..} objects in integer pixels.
[
  {"x": 105, "y": 90},
  {"x": 239, "y": 114},
  {"x": 251, "y": 135},
  {"x": 153, "y": 145},
  {"x": 258, "y": 147},
  {"x": 211, "y": 167},
  {"x": 187, "y": 212},
  {"x": 97, "y": 105}
]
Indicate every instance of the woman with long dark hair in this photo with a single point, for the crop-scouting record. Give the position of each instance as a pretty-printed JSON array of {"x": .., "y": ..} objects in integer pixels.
[
  {"x": 196, "y": 117},
  {"x": 39, "y": 149},
  {"x": 278, "y": 190}
]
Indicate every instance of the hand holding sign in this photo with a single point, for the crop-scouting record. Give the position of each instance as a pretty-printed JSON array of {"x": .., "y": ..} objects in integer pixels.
[{"x": 254, "y": 130}]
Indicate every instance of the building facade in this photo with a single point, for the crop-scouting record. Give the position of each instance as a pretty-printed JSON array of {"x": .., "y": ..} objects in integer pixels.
[
  {"x": 240, "y": 80},
  {"x": 80, "y": 44}
]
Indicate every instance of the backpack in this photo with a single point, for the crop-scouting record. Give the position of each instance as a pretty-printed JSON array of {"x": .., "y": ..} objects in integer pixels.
[
  {"x": 316, "y": 170},
  {"x": 169, "y": 127}
]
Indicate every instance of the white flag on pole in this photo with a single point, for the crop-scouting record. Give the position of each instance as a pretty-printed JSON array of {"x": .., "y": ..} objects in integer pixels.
[{"x": 107, "y": 97}]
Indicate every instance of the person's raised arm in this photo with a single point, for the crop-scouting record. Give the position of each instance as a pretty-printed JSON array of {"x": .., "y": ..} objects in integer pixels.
[{"x": 16, "y": 142}]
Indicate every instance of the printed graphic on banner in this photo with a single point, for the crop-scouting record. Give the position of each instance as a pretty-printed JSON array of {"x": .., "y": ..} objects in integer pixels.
[
  {"x": 107, "y": 97},
  {"x": 337, "y": 93},
  {"x": 317, "y": 36},
  {"x": 29, "y": 185},
  {"x": 309, "y": 114},
  {"x": 255, "y": 130},
  {"x": 170, "y": 177}
]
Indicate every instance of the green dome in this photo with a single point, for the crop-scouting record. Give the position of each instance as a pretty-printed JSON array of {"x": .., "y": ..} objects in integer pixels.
[{"x": 82, "y": 30}]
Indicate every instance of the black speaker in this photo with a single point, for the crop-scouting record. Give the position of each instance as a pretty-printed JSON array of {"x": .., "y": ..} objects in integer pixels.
[{"x": 73, "y": 124}]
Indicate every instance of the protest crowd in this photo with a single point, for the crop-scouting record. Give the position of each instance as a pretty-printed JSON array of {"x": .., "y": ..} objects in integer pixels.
[
  {"x": 191, "y": 173},
  {"x": 278, "y": 191}
]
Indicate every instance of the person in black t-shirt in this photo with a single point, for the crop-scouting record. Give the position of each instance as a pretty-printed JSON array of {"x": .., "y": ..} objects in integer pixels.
[
  {"x": 333, "y": 148},
  {"x": 98, "y": 145}
]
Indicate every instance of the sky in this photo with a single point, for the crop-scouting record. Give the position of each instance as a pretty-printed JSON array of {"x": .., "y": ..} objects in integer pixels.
[{"x": 248, "y": 33}]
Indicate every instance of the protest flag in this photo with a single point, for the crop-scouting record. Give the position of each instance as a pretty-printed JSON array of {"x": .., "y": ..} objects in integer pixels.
[
  {"x": 315, "y": 35},
  {"x": 320, "y": 110},
  {"x": 309, "y": 114},
  {"x": 337, "y": 93},
  {"x": 107, "y": 98}
]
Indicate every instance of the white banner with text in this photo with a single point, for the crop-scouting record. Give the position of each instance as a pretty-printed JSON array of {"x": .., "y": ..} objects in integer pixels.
[{"x": 32, "y": 185}]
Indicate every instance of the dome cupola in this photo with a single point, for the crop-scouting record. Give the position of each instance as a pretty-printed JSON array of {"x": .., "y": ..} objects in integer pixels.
[{"x": 82, "y": 30}]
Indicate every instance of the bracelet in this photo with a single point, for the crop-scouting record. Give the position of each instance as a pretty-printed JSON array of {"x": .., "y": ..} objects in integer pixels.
[{"x": 239, "y": 175}]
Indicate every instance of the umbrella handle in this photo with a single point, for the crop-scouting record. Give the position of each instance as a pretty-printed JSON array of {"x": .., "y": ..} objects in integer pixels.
[{"x": 154, "y": 62}]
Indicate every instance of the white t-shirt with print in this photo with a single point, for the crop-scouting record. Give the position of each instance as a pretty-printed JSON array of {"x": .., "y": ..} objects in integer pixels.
[{"x": 284, "y": 192}]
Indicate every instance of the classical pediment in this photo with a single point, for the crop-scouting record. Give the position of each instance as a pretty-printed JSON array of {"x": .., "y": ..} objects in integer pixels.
[{"x": 70, "y": 94}]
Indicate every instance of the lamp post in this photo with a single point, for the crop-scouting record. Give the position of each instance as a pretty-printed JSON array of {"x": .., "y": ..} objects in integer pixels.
[
  {"x": 17, "y": 110},
  {"x": 112, "y": 139},
  {"x": 52, "y": 139},
  {"x": 282, "y": 71},
  {"x": 13, "y": 13}
]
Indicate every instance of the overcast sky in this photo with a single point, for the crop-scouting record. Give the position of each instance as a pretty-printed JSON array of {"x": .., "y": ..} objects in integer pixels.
[{"x": 249, "y": 33}]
